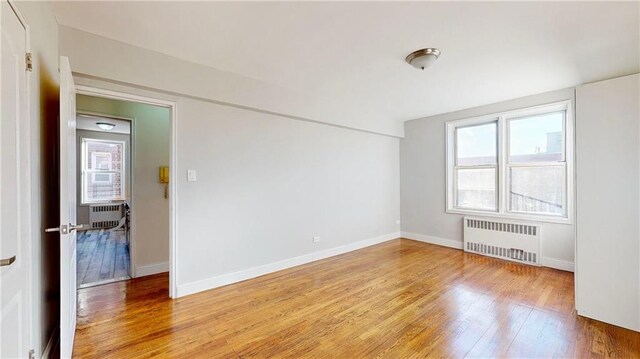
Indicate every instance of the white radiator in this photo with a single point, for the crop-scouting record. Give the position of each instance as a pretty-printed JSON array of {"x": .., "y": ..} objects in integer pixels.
[
  {"x": 105, "y": 215},
  {"x": 504, "y": 239}
]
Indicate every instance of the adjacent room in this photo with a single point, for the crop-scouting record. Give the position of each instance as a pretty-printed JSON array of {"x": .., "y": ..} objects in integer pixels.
[
  {"x": 122, "y": 183},
  {"x": 104, "y": 165},
  {"x": 320, "y": 179}
]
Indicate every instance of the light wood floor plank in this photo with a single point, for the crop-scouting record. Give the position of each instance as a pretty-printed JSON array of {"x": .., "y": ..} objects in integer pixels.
[{"x": 399, "y": 299}]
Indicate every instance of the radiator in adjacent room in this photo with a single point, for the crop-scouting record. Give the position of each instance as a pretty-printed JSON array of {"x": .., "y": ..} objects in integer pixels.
[{"x": 105, "y": 215}]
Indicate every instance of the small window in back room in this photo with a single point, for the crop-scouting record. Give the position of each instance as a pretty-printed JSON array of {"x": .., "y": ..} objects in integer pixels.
[{"x": 103, "y": 171}]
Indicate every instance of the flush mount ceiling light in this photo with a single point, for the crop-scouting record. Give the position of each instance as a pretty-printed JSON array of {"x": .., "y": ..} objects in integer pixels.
[
  {"x": 422, "y": 58},
  {"x": 105, "y": 126}
]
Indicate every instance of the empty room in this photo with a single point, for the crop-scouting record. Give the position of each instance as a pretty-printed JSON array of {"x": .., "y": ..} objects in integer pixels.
[{"x": 323, "y": 179}]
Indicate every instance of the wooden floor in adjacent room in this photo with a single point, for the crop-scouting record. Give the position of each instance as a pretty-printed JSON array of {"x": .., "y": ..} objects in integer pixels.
[
  {"x": 399, "y": 299},
  {"x": 103, "y": 256}
]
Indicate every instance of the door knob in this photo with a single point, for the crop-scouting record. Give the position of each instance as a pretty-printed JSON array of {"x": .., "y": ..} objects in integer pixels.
[
  {"x": 64, "y": 228},
  {"x": 7, "y": 261}
]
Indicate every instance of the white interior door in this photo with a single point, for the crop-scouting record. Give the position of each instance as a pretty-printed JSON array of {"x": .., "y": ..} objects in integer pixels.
[
  {"x": 14, "y": 232},
  {"x": 67, "y": 209}
]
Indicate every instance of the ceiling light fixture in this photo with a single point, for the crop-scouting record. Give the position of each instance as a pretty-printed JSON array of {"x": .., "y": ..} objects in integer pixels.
[
  {"x": 423, "y": 58},
  {"x": 105, "y": 126}
]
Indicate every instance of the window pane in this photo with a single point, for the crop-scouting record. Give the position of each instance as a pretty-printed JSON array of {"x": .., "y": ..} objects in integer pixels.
[
  {"x": 537, "y": 139},
  {"x": 476, "y": 188},
  {"x": 101, "y": 187},
  {"x": 476, "y": 145},
  {"x": 101, "y": 161},
  {"x": 537, "y": 189}
]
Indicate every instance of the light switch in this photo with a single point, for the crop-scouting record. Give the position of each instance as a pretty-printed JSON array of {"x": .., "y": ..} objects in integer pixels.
[{"x": 191, "y": 175}]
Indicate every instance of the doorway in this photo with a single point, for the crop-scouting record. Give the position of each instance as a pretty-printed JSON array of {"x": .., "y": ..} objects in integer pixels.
[
  {"x": 104, "y": 191},
  {"x": 123, "y": 153}
]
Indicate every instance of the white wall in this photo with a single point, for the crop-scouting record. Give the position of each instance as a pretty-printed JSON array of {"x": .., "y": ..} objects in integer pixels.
[
  {"x": 43, "y": 106},
  {"x": 150, "y": 149},
  {"x": 423, "y": 182},
  {"x": 109, "y": 59},
  {"x": 608, "y": 206},
  {"x": 267, "y": 184}
]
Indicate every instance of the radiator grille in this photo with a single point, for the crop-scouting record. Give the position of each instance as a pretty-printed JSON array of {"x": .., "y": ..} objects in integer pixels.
[
  {"x": 506, "y": 253},
  {"x": 105, "y": 215},
  {"x": 104, "y": 224},
  {"x": 502, "y": 227},
  {"x": 504, "y": 239},
  {"x": 105, "y": 208}
]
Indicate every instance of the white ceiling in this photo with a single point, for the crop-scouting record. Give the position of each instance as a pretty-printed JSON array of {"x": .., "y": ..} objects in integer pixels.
[{"x": 490, "y": 51}]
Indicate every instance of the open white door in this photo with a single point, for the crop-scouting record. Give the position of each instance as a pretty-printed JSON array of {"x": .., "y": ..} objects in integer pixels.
[
  {"x": 67, "y": 227},
  {"x": 14, "y": 188}
]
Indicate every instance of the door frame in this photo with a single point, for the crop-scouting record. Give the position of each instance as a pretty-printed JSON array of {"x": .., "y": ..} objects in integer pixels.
[
  {"x": 173, "y": 167},
  {"x": 33, "y": 314}
]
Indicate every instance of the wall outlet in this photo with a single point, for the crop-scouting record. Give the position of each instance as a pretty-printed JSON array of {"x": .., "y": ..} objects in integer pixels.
[
  {"x": 316, "y": 239},
  {"x": 397, "y": 221}
]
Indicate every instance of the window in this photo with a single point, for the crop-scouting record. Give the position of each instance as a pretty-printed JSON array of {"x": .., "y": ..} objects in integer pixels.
[
  {"x": 103, "y": 174},
  {"x": 476, "y": 167},
  {"x": 514, "y": 164}
]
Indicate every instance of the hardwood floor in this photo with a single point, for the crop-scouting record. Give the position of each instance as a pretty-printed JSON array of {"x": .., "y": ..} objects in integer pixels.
[
  {"x": 399, "y": 299},
  {"x": 103, "y": 256}
]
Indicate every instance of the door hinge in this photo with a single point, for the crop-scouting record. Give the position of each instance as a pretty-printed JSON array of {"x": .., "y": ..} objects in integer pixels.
[
  {"x": 29, "y": 61},
  {"x": 32, "y": 354}
]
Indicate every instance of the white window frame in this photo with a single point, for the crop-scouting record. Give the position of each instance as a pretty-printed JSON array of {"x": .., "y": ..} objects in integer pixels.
[
  {"x": 502, "y": 170},
  {"x": 85, "y": 171},
  {"x": 457, "y": 167}
]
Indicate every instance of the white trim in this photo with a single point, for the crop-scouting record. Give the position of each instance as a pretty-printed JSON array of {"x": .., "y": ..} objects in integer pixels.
[
  {"x": 234, "y": 277},
  {"x": 117, "y": 95},
  {"x": 52, "y": 343},
  {"x": 173, "y": 169},
  {"x": 451, "y": 243},
  {"x": 557, "y": 264},
  {"x": 151, "y": 269},
  {"x": 512, "y": 215}
]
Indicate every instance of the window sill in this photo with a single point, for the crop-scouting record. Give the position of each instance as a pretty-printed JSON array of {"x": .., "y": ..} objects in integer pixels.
[{"x": 513, "y": 216}]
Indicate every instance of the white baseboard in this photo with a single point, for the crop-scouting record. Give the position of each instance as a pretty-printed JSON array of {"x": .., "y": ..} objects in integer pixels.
[
  {"x": 557, "y": 264},
  {"x": 52, "y": 343},
  {"x": 433, "y": 240},
  {"x": 544, "y": 261},
  {"x": 225, "y": 279},
  {"x": 152, "y": 269}
]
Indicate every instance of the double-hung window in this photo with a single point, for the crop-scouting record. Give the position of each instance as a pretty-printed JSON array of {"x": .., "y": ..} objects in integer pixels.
[
  {"x": 103, "y": 170},
  {"x": 514, "y": 164},
  {"x": 476, "y": 166}
]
